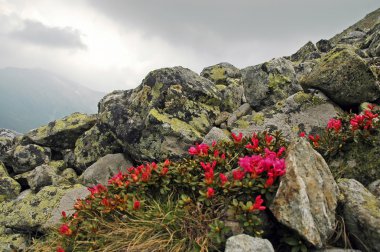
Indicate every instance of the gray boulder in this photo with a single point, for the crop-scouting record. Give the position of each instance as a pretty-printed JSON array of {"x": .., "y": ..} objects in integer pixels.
[
  {"x": 168, "y": 112},
  {"x": 268, "y": 83},
  {"x": 361, "y": 212},
  {"x": 7, "y": 140},
  {"x": 324, "y": 45},
  {"x": 246, "y": 243},
  {"x": 62, "y": 133},
  {"x": 26, "y": 158},
  {"x": 307, "y": 196},
  {"x": 305, "y": 52},
  {"x": 344, "y": 77},
  {"x": 92, "y": 145},
  {"x": 308, "y": 112},
  {"x": 9, "y": 188},
  {"x": 104, "y": 169},
  {"x": 217, "y": 134},
  {"x": 374, "y": 188}
]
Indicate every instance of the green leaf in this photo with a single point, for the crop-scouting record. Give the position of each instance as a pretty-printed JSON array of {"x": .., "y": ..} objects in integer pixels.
[
  {"x": 291, "y": 241},
  {"x": 303, "y": 248},
  {"x": 295, "y": 249}
]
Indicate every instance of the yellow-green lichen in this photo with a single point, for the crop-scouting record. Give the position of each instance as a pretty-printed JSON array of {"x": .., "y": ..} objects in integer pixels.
[
  {"x": 302, "y": 97},
  {"x": 175, "y": 124},
  {"x": 258, "y": 118},
  {"x": 200, "y": 123},
  {"x": 57, "y": 164},
  {"x": 218, "y": 73},
  {"x": 220, "y": 87},
  {"x": 277, "y": 79},
  {"x": 156, "y": 90},
  {"x": 242, "y": 124}
]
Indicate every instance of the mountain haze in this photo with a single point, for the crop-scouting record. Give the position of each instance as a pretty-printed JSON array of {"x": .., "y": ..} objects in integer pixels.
[{"x": 30, "y": 98}]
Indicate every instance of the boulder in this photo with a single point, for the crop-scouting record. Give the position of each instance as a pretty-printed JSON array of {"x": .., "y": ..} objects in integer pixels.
[
  {"x": 268, "y": 83},
  {"x": 307, "y": 195},
  {"x": 26, "y": 158},
  {"x": 42, "y": 176},
  {"x": 217, "y": 135},
  {"x": 344, "y": 77},
  {"x": 301, "y": 112},
  {"x": 7, "y": 140},
  {"x": 304, "y": 52},
  {"x": 10, "y": 241},
  {"x": 104, "y": 169},
  {"x": 92, "y": 145},
  {"x": 168, "y": 112},
  {"x": 246, "y": 243},
  {"x": 69, "y": 175},
  {"x": 9, "y": 188},
  {"x": 361, "y": 212},
  {"x": 227, "y": 79},
  {"x": 241, "y": 111},
  {"x": 30, "y": 211},
  {"x": 62, "y": 133},
  {"x": 359, "y": 161},
  {"x": 324, "y": 45},
  {"x": 374, "y": 188}
]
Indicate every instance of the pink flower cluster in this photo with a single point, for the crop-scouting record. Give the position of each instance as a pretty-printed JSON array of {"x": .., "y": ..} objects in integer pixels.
[
  {"x": 271, "y": 163},
  {"x": 363, "y": 121}
]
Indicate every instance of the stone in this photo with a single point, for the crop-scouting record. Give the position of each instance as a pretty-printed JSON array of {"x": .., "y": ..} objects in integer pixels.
[
  {"x": 324, "y": 45},
  {"x": 104, "y": 168},
  {"x": 62, "y": 134},
  {"x": 268, "y": 83},
  {"x": 92, "y": 145},
  {"x": 26, "y": 158},
  {"x": 9, "y": 188},
  {"x": 217, "y": 135},
  {"x": 374, "y": 188},
  {"x": 30, "y": 211},
  {"x": 361, "y": 213},
  {"x": 307, "y": 195},
  {"x": 66, "y": 204},
  {"x": 7, "y": 140},
  {"x": 42, "y": 176},
  {"x": 223, "y": 117},
  {"x": 353, "y": 37},
  {"x": 344, "y": 77},
  {"x": 301, "y": 112},
  {"x": 170, "y": 111},
  {"x": 219, "y": 73},
  {"x": 10, "y": 242},
  {"x": 374, "y": 47},
  {"x": 70, "y": 176},
  {"x": 359, "y": 161},
  {"x": 241, "y": 111},
  {"x": 246, "y": 243},
  {"x": 303, "y": 52}
]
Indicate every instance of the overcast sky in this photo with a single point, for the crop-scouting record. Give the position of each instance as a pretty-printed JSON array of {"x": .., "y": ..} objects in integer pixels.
[{"x": 113, "y": 44}]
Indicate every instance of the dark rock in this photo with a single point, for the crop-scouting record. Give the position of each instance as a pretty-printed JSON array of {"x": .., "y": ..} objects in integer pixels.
[
  {"x": 26, "y": 158},
  {"x": 303, "y": 52},
  {"x": 324, "y": 45}
]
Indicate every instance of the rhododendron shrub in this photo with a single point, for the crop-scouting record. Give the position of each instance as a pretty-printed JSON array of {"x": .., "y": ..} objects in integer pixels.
[{"x": 223, "y": 181}]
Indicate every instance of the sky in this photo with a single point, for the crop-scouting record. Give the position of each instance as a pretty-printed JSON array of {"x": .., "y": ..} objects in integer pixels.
[{"x": 113, "y": 44}]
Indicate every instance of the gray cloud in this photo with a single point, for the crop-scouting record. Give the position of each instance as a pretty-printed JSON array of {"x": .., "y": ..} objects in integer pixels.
[{"x": 60, "y": 37}]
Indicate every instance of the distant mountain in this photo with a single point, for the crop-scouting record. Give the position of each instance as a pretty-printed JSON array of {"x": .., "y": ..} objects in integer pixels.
[{"x": 30, "y": 98}]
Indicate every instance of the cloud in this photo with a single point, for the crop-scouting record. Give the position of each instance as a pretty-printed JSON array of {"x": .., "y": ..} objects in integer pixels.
[{"x": 37, "y": 33}]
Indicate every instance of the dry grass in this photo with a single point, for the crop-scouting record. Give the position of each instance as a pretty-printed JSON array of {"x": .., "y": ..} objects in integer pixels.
[{"x": 161, "y": 226}]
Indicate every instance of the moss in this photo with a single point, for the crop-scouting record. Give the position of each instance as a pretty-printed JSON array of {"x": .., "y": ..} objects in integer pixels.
[
  {"x": 57, "y": 164},
  {"x": 221, "y": 87},
  {"x": 175, "y": 124},
  {"x": 372, "y": 205},
  {"x": 258, "y": 118},
  {"x": 156, "y": 90}
]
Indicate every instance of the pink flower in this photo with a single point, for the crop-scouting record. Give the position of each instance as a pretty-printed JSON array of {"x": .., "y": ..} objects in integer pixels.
[
  {"x": 314, "y": 139},
  {"x": 258, "y": 203},
  {"x": 210, "y": 192},
  {"x": 207, "y": 167},
  {"x": 64, "y": 229},
  {"x": 238, "y": 174},
  {"x": 213, "y": 144},
  {"x": 136, "y": 205},
  {"x": 237, "y": 138},
  {"x": 334, "y": 124},
  {"x": 268, "y": 139},
  {"x": 164, "y": 171},
  {"x": 223, "y": 178},
  {"x": 99, "y": 188},
  {"x": 199, "y": 149},
  {"x": 63, "y": 213},
  {"x": 60, "y": 249},
  {"x": 193, "y": 151},
  {"x": 302, "y": 134}
]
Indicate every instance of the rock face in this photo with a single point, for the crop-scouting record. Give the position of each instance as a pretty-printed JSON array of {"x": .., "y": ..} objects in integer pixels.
[
  {"x": 62, "y": 133},
  {"x": 307, "y": 196},
  {"x": 308, "y": 112},
  {"x": 7, "y": 139},
  {"x": 9, "y": 188},
  {"x": 344, "y": 77},
  {"x": 268, "y": 83},
  {"x": 30, "y": 211},
  {"x": 374, "y": 188},
  {"x": 246, "y": 243},
  {"x": 104, "y": 169},
  {"x": 308, "y": 51},
  {"x": 25, "y": 158},
  {"x": 217, "y": 135},
  {"x": 361, "y": 211},
  {"x": 227, "y": 79},
  {"x": 358, "y": 161},
  {"x": 92, "y": 145},
  {"x": 170, "y": 110}
]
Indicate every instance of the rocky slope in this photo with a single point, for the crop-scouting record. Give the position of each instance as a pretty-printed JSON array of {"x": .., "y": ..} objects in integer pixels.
[{"x": 43, "y": 171}]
